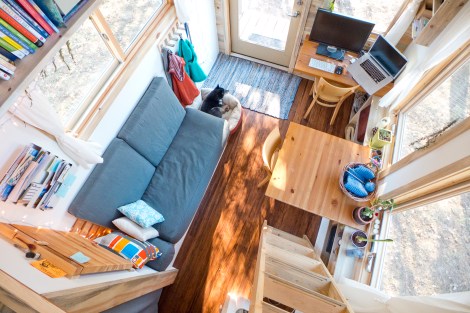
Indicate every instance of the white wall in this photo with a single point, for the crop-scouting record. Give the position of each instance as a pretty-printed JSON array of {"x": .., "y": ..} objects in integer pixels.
[
  {"x": 13, "y": 138},
  {"x": 448, "y": 153}
]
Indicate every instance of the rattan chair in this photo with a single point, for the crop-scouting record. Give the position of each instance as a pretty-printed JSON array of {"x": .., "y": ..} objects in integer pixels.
[{"x": 328, "y": 95}]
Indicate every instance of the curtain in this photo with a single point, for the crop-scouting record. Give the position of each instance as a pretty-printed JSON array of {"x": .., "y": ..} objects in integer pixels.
[
  {"x": 365, "y": 299},
  {"x": 183, "y": 9},
  {"x": 401, "y": 25},
  {"x": 34, "y": 109},
  {"x": 422, "y": 59}
]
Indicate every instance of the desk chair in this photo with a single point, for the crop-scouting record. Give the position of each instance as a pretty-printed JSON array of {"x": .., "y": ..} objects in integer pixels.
[
  {"x": 270, "y": 152},
  {"x": 333, "y": 95}
]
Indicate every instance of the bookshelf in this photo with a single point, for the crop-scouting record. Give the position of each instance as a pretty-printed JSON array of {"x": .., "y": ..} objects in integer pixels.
[{"x": 29, "y": 67}]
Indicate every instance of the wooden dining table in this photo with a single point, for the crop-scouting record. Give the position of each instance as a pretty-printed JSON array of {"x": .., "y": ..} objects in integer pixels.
[{"x": 308, "y": 169}]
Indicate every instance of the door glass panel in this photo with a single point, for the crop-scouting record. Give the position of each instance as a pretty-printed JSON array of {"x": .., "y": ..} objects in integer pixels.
[
  {"x": 265, "y": 22},
  {"x": 430, "y": 252}
]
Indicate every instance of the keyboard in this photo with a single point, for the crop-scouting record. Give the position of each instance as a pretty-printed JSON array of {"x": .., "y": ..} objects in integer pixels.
[
  {"x": 373, "y": 71},
  {"x": 322, "y": 65}
]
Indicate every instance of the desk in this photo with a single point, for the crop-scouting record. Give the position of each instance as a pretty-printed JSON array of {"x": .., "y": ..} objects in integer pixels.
[
  {"x": 308, "y": 51},
  {"x": 307, "y": 173}
]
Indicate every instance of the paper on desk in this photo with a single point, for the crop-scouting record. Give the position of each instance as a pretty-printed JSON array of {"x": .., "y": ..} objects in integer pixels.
[{"x": 48, "y": 268}]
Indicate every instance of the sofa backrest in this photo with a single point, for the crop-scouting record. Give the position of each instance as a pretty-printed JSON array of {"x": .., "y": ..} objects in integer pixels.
[{"x": 153, "y": 124}]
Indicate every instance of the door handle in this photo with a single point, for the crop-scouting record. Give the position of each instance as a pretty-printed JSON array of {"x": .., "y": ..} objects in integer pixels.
[{"x": 295, "y": 14}]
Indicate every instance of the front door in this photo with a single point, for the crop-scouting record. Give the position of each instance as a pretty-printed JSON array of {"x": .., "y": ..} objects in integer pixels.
[{"x": 265, "y": 29}]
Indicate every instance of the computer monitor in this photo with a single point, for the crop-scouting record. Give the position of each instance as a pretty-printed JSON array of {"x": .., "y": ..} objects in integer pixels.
[
  {"x": 388, "y": 56},
  {"x": 333, "y": 30}
]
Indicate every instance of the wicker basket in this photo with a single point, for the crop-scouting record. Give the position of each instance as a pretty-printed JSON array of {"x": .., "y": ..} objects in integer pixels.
[{"x": 350, "y": 195}]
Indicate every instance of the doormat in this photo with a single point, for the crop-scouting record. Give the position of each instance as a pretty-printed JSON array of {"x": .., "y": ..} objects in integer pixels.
[{"x": 260, "y": 88}]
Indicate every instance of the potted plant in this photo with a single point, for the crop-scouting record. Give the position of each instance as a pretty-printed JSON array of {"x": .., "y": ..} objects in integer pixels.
[
  {"x": 381, "y": 138},
  {"x": 364, "y": 215},
  {"x": 384, "y": 204},
  {"x": 360, "y": 240}
]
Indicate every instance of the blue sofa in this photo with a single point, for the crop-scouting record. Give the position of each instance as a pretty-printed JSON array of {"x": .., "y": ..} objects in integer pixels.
[{"x": 163, "y": 154}]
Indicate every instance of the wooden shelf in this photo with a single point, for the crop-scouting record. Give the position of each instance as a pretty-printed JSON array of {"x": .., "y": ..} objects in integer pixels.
[{"x": 29, "y": 67}]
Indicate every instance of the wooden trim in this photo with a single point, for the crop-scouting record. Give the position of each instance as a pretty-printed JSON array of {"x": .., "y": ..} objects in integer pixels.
[
  {"x": 226, "y": 23},
  {"x": 446, "y": 12},
  {"x": 300, "y": 34},
  {"x": 32, "y": 65},
  {"x": 107, "y": 35},
  {"x": 440, "y": 141},
  {"x": 22, "y": 298},
  {"x": 100, "y": 297},
  {"x": 157, "y": 28},
  {"x": 242, "y": 56},
  {"x": 445, "y": 177}
]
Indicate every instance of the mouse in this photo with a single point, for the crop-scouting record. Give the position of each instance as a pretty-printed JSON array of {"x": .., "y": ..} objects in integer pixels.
[{"x": 339, "y": 70}]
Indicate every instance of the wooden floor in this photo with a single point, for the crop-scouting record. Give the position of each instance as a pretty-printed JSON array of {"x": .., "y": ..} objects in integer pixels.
[{"x": 218, "y": 255}]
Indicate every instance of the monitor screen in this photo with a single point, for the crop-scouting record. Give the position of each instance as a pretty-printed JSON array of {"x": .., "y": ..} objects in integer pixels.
[
  {"x": 340, "y": 30},
  {"x": 388, "y": 56}
]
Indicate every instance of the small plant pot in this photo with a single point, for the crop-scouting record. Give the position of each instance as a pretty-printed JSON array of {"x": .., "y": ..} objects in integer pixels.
[
  {"x": 355, "y": 242},
  {"x": 381, "y": 138},
  {"x": 358, "y": 218}
]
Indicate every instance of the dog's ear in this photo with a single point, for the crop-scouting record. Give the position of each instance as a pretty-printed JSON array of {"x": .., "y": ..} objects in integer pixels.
[{"x": 217, "y": 86}]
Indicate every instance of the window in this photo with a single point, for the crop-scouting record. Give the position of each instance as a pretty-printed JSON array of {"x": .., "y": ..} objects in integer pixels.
[
  {"x": 128, "y": 17},
  {"x": 75, "y": 71},
  {"x": 380, "y": 12},
  {"x": 83, "y": 66},
  {"x": 444, "y": 107},
  {"x": 430, "y": 252}
]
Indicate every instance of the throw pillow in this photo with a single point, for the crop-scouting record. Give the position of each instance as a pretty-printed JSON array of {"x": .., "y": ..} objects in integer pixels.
[
  {"x": 52, "y": 11},
  {"x": 132, "y": 229},
  {"x": 138, "y": 252},
  {"x": 141, "y": 213}
]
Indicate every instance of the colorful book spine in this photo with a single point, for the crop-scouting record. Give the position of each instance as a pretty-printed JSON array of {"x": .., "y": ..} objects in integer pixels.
[
  {"x": 4, "y": 76},
  {"x": 16, "y": 40},
  {"x": 27, "y": 17},
  {"x": 10, "y": 31},
  {"x": 13, "y": 43},
  {"x": 72, "y": 12},
  {"x": 6, "y": 69},
  {"x": 5, "y": 63},
  {"x": 19, "y": 21},
  {"x": 7, "y": 54},
  {"x": 44, "y": 16},
  {"x": 10, "y": 48}
]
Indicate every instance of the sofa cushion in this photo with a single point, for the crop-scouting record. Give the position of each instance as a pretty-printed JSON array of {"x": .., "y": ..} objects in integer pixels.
[
  {"x": 122, "y": 178},
  {"x": 145, "y": 304},
  {"x": 153, "y": 124},
  {"x": 184, "y": 173},
  {"x": 168, "y": 252}
]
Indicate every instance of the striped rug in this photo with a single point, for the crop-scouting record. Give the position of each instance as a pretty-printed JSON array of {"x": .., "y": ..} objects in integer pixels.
[{"x": 259, "y": 87}]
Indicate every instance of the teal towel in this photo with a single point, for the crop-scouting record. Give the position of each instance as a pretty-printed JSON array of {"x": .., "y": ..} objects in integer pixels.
[{"x": 192, "y": 67}]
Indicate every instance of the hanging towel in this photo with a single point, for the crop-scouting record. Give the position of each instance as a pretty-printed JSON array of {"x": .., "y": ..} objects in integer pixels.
[
  {"x": 183, "y": 87},
  {"x": 165, "y": 54},
  {"x": 186, "y": 51}
]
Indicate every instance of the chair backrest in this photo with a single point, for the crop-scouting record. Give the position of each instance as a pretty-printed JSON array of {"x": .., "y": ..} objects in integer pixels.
[
  {"x": 272, "y": 142},
  {"x": 331, "y": 93}
]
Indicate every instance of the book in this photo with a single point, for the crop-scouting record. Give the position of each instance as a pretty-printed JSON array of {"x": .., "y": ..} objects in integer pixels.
[
  {"x": 75, "y": 9},
  {"x": 20, "y": 20},
  {"x": 27, "y": 17},
  {"x": 13, "y": 43},
  {"x": 8, "y": 55},
  {"x": 28, "y": 46},
  {"x": 4, "y": 58},
  {"x": 4, "y": 62},
  {"x": 4, "y": 76},
  {"x": 8, "y": 29},
  {"x": 35, "y": 15},
  {"x": 25, "y": 32},
  {"x": 43, "y": 15},
  {"x": 13, "y": 166},
  {"x": 5, "y": 45},
  {"x": 6, "y": 69}
]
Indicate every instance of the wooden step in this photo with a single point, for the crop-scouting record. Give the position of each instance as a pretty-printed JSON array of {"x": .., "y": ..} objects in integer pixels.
[
  {"x": 299, "y": 298},
  {"x": 269, "y": 308},
  {"x": 298, "y": 240},
  {"x": 288, "y": 245}
]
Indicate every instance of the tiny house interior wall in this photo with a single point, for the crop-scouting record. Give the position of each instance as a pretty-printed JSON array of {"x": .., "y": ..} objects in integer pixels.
[{"x": 14, "y": 138}]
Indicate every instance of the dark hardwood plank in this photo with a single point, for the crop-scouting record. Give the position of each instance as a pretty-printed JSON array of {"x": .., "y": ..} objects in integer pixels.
[{"x": 219, "y": 253}]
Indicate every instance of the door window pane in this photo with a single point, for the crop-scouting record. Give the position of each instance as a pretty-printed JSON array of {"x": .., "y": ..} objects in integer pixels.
[
  {"x": 430, "y": 252},
  {"x": 265, "y": 22},
  {"x": 75, "y": 71},
  {"x": 380, "y": 12},
  {"x": 127, "y": 18},
  {"x": 443, "y": 108}
]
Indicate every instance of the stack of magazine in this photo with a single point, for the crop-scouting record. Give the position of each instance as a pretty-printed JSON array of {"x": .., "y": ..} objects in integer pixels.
[{"x": 36, "y": 179}]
